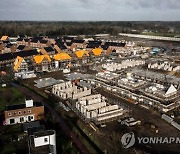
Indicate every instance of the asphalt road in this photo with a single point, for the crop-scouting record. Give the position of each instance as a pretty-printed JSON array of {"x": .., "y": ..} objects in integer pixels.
[{"x": 55, "y": 115}]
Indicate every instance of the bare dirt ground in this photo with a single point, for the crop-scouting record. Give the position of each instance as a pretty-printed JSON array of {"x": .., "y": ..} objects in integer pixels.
[{"x": 147, "y": 118}]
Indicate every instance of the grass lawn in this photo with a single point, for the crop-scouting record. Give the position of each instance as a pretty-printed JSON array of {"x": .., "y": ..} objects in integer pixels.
[{"x": 9, "y": 96}]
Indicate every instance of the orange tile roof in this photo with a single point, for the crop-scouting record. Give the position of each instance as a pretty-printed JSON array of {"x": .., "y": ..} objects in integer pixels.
[
  {"x": 97, "y": 51},
  {"x": 62, "y": 56},
  {"x": 17, "y": 62},
  {"x": 39, "y": 58},
  {"x": 4, "y": 38},
  {"x": 81, "y": 53}
]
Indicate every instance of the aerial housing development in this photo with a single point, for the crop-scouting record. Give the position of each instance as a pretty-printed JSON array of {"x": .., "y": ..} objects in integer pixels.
[{"x": 82, "y": 93}]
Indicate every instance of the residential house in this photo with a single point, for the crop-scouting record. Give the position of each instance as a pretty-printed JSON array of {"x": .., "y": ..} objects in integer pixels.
[
  {"x": 61, "y": 60},
  {"x": 13, "y": 47},
  {"x": 42, "y": 63},
  {"x": 21, "y": 47},
  {"x": 4, "y": 38},
  {"x": 44, "y": 43},
  {"x": 115, "y": 45},
  {"x": 43, "y": 142},
  {"x": 20, "y": 65},
  {"x": 68, "y": 45},
  {"x": 47, "y": 51},
  {"x": 92, "y": 45},
  {"x": 106, "y": 49},
  {"x": 82, "y": 56},
  {"x": 1, "y": 47},
  {"x": 35, "y": 43},
  {"x": 7, "y": 59},
  {"x": 27, "y": 112},
  {"x": 59, "y": 46},
  {"x": 68, "y": 39},
  {"x": 20, "y": 41},
  {"x": 78, "y": 44}
]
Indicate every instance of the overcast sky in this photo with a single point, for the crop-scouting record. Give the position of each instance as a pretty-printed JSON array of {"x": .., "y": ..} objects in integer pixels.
[{"x": 119, "y": 10}]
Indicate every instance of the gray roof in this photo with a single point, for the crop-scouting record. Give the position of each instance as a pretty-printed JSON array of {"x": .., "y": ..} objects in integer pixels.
[
  {"x": 46, "y": 82},
  {"x": 74, "y": 76}
]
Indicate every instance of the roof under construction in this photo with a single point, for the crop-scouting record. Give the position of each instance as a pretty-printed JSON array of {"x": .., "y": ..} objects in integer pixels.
[
  {"x": 97, "y": 51},
  {"x": 62, "y": 56},
  {"x": 17, "y": 62},
  {"x": 39, "y": 58},
  {"x": 81, "y": 53},
  {"x": 4, "y": 38}
]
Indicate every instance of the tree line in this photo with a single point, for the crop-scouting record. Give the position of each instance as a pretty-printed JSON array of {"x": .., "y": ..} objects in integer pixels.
[{"x": 35, "y": 28}]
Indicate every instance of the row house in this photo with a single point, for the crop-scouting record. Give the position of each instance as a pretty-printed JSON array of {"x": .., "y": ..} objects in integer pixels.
[
  {"x": 20, "y": 65},
  {"x": 21, "y": 113},
  {"x": 61, "y": 60},
  {"x": 23, "y": 47},
  {"x": 78, "y": 44},
  {"x": 23, "y": 41},
  {"x": 115, "y": 45},
  {"x": 47, "y": 51},
  {"x": 60, "y": 46},
  {"x": 82, "y": 56},
  {"x": 44, "y": 43},
  {"x": 10, "y": 48},
  {"x": 36, "y": 42},
  {"x": 106, "y": 49},
  {"x": 92, "y": 45},
  {"x": 68, "y": 39},
  {"x": 4, "y": 38},
  {"x": 57, "y": 48},
  {"x": 42, "y": 63},
  {"x": 1, "y": 47},
  {"x": 20, "y": 41},
  {"x": 7, "y": 59},
  {"x": 39, "y": 43},
  {"x": 50, "y": 40},
  {"x": 5, "y": 48},
  {"x": 13, "y": 48},
  {"x": 68, "y": 45},
  {"x": 39, "y": 60}
]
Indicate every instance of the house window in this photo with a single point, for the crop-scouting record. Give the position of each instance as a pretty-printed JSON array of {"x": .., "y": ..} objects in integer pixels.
[
  {"x": 45, "y": 140},
  {"x": 32, "y": 118},
  {"x": 19, "y": 112},
  {"x": 21, "y": 119},
  {"x": 9, "y": 114},
  {"x": 29, "y": 118},
  {"x": 29, "y": 111},
  {"x": 12, "y": 121},
  {"x": 14, "y": 113},
  {"x": 24, "y": 112}
]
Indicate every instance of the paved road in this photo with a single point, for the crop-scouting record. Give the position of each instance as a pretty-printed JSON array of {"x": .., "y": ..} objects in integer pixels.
[{"x": 55, "y": 115}]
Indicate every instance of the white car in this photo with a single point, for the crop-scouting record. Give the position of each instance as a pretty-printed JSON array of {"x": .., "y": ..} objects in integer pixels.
[{"x": 130, "y": 122}]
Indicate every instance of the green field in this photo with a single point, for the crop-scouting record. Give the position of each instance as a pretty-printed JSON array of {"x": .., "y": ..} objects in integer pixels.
[{"x": 9, "y": 96}]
